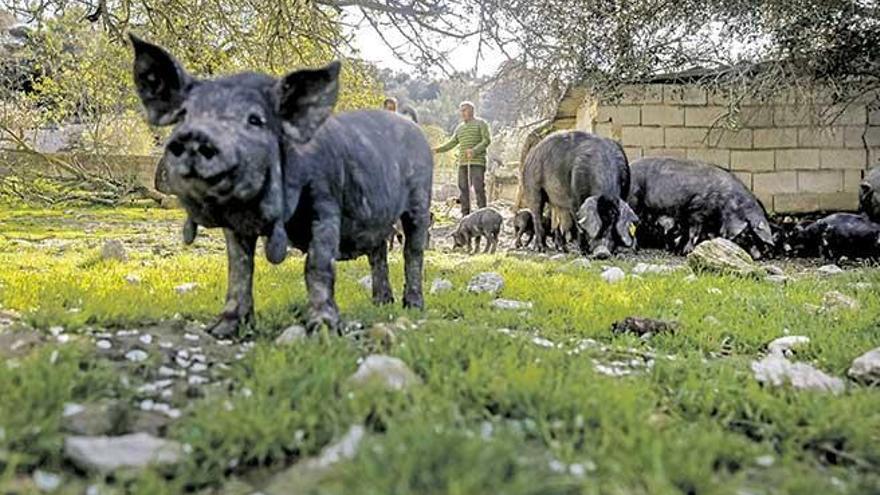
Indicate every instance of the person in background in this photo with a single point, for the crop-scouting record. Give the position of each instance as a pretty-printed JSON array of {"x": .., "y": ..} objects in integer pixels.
[
  {"x": 390, "y": 104},
  {"x": 472, "y": 138}
]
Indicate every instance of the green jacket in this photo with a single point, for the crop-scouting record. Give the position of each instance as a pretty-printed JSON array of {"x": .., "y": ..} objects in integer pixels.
[{"x": 473, "y": 135}]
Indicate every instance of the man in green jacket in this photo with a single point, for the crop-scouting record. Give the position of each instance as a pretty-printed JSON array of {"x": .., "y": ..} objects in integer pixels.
[{"x": 472, "y": 139}]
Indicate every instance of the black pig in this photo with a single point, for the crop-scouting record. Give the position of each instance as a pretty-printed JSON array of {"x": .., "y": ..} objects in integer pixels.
[
  {"x": 484, "y": 222},
  {"x": 702, "y": 199},
  {"x": 260, "y": 156},
  {"x": 578, "y": 173},
  {"x": 836, "y": 236}
]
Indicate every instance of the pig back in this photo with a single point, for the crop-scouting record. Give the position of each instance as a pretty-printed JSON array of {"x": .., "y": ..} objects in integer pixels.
[{"x": 662, "y": 185}]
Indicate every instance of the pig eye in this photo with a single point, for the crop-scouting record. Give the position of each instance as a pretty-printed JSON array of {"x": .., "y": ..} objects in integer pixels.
[{"x": 256, "y": 121}]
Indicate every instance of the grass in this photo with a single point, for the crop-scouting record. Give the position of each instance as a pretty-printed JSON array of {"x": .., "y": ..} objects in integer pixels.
[{"x": 495, "y": 413}]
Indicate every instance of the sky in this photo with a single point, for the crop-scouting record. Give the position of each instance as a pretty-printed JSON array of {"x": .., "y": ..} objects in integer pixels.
[{"x": 461, "y": 55}]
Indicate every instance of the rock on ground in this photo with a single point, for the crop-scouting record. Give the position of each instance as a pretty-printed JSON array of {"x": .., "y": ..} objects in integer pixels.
[
  {"x": 186, "y": 288},
  {"x": 366, "y": 282},
  {"x": 440, "y": 285},
  {"x": 785, "y": 346},
  {"x": 291, "y": 334},
  {"x": 777, "y": 371},
  {"x": 834, "y": 301},
  {"x": 113, "y": 250},
  {"x": 612, "y": 275},
  {"x": 643, "y": 268},
  {"x": 723, "y": 257},
  {"x": 510, "y": 304},
  {"x": 105, "y": 455},
  {"x": 486, "y": 282},
  {"x": 829, "y": 270},
  {"x": 389, "y": 371},
  {"x": 866, "y": 367},
  {"x": 95, "y": 419}
]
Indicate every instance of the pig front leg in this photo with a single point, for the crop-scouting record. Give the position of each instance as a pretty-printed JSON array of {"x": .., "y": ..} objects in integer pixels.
[
  {"x": 239, "y": 308},
  {"x": 694, "y": 233},
  {"x": 320, "y": 270},
  {"x": 382, "y": 293}
]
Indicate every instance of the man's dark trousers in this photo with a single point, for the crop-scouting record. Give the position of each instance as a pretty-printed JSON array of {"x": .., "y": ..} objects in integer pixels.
[{"x": 477, "y": 180}]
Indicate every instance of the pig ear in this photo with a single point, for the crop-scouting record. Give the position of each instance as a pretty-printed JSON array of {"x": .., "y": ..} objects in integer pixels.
[
  {"x": 762, "y": 229},
  {"x": 626, "y": 223},
  {"x": 588, "y": 217},
  {"x": 732, "y": 227},
  {"x": 161, "y": 82},
  {"x": 306, "y": 98}
]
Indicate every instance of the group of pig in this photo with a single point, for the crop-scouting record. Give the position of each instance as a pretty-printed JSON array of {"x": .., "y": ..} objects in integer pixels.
[
  {"x": 583, "y": 189},
  {"x": 260, "y": 156}
]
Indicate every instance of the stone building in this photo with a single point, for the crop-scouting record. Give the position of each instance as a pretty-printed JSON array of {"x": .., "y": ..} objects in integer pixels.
[{"x": 776, "y": 147}]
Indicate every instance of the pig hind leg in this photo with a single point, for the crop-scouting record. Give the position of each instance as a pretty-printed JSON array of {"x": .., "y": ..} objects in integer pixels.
[{"x": 382, "y": 293}]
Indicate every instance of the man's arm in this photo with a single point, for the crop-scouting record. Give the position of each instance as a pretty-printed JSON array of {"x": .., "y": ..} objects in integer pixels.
[
  {"x": 448, "y": 145},
  {"x": 485, "y": 138}
]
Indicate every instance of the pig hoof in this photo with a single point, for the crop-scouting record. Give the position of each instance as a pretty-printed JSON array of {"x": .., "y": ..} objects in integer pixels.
[
  {"x": 414, "y": 301},
  {"x": 327, "y": 319},
  {"x": 190, "y": 230},
  {"x": 601, "y": 253},
  {"x": 224, "y": 328},
  {"x": 276, "y": 244},
  {"x": 383, "y": 299}
]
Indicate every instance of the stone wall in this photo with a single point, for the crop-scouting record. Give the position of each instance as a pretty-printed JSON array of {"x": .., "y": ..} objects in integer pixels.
[{"x": 777, "y": 148}]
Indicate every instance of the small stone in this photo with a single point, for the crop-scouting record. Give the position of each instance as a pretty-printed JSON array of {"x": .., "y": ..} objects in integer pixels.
[
  {"x": 581, "y": 263},
  {"x": 197, "y": 380},
  {"x": 558, "y": 257},
  {"x": 99, "y": 418},
  {"x": 291, "y": 335},
  {"x": 133, "y": 279},
  {"x": 165, "y": 344},
  {"x": 690, "y": 278},
  {"x": 765, "y": 461},
  {"x": 834, "y": 300},
  {"x": 154, "y": 387},
  {"x": 344, "y": 449},
  {"x": 166, "y": 371},
  {"x": 56, "y": 331},
  {"x": 774, "y": 270},
  {"x": 136, "y": 355},
  {"x": 785, "y": 346},
  {"x": 391, "y": 372},
  {"x": 191, "y": 337},
  {"x": 711, "y": 320},
  {"x": 829, "y": 270},
  {"x": 147, "y": 405},
  {"x": 382, "y": 335},
  {"x": 198, "y": 368},
  {"x": 542, "y": 342},
  {"x": 105, "y": 455},
  {"x": 643, "y": 268},
  {"x": 613, "y": 274},
  {"x": 866, "y": 367},
  {"x": 186, "y": 288},
  {"x": 46, "y": 481},
  {"x": 146, "y": 339},
  {"x": 862, "y": 285},
  {"x": 776, "y": 279},
  {"x": 366, "y": 283},
  {"x": 440, "y": 285},
  {"x": 486, "y": 282},
  {"x": 113, "y": 250},
  {"x": 103, "y": 344},
  {"x": 777, "y": 371},
  {"x": 199, "y": 358},
  {"x": 510, "y": 304}
]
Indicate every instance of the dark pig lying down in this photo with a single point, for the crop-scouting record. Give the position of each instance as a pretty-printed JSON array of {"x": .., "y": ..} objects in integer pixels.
[
  {"x": 580, "y": 175},
  {"x": 835, "y": 236},
  {"x": 698, "y": 201},
  {"x": 484, "y": 223},
  {"x": 260, "y": 156}
]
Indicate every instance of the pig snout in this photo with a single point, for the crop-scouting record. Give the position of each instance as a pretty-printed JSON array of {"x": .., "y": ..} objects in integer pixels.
[{"x": 193, "y": 154}]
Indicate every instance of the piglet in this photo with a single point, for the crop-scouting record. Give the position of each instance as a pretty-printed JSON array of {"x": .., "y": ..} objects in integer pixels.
[
  {"x": 835, "y": 236},
  {"x": 484, "y": 222}
]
